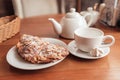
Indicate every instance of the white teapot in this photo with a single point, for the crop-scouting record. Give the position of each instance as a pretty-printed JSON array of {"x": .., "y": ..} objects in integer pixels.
[
  {"x": 69, "y": 23},
  {"x": 94, "y": 14}
]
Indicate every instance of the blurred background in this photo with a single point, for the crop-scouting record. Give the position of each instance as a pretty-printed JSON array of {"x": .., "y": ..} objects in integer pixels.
[
  {"x": 29, "y": 8},
  {"x": 6, "y": 8},
  {"x": 10, "y": 7}
]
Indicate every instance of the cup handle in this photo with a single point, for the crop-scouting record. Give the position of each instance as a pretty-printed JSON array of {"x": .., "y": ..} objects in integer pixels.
[{"x": 108, "y": 44}]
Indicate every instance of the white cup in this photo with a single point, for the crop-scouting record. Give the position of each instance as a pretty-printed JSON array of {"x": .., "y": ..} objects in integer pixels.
[{"x": 87, "y": 39}]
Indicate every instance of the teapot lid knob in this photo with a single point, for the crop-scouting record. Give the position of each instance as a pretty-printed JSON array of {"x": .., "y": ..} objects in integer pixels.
[
  {"x": 90, "y": 9},
  {"x": 72, "y": 10},
  {"x": 72, "y": 14}
]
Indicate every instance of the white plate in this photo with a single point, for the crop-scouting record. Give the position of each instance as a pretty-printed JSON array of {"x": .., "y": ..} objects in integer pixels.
[
  {"x": 16, "y": 61},
  {"x": 76, "y": 52}
]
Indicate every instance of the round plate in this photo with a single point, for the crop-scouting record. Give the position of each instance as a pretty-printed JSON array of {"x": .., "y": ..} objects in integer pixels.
[
  {"x": 76, "y": 52},
  {"x": 16, "y": 61}
]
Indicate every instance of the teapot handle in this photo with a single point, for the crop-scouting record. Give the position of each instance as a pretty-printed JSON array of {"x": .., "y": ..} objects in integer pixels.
[{"x": 90, "y": 20}]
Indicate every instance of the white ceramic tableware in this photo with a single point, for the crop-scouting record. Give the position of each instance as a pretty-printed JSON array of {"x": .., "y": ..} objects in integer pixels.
[
  {"x": 86, "y": 55},
  {"x": 16, "y": 61},
  {"x": 87, "y": 39},
  {"x": 94, "y": 14},
  {"x": 70, "y": 22}
]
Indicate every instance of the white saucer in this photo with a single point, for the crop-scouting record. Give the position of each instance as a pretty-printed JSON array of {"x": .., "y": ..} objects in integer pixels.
[
  {"x": 16, "y": 61},
  {"x": 76, "y": 52}
]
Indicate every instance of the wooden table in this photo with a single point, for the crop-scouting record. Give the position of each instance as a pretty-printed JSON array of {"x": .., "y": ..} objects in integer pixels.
[{"x": 72, "y": 68}]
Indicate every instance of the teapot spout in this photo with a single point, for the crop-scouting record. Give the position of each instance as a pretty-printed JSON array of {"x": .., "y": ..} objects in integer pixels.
[{"x": 57, "y": 27}]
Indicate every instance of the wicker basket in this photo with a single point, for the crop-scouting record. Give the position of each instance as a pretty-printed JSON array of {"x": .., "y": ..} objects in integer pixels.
[{"x": 9, "y": 26}]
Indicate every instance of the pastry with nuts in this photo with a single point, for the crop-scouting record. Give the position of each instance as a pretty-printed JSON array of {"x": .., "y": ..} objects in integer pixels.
[{"x": 36, "y": 50}]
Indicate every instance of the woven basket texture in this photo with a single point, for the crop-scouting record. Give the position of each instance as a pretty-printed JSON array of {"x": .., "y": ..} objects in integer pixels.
[{"x": 9, "y": 26}]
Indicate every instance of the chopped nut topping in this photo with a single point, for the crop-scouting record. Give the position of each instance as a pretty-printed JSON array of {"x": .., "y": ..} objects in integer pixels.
[{"x": 36, "y": 50}]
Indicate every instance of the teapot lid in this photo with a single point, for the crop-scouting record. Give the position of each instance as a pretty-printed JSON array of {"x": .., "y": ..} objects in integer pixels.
[
  {"x": 72, "y": 14},
  {"x": 90, "y": 10}
]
